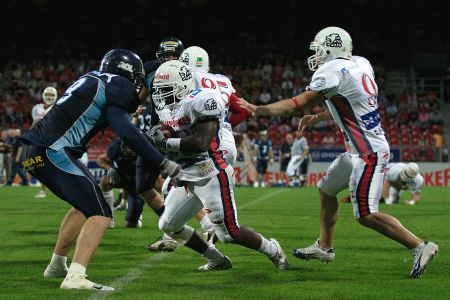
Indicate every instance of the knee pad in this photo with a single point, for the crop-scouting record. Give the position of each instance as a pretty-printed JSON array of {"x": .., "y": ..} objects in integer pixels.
[
  {"x": 169, "y": 227},
  {"x": 222, "y": 233}
]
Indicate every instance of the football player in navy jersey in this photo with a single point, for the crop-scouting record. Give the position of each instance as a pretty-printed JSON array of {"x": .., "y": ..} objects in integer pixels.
[
  {"x": 120, "y": 163},
  {"x": 52, "y": 148}
]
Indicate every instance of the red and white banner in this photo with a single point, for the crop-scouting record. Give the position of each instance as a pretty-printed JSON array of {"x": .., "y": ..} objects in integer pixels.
[{"x": 434, "y": 174}]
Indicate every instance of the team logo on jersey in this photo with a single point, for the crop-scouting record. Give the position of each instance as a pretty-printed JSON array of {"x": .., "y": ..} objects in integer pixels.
[
  {"x": 185, "y": 73},
  {"x": 371, "y": 119},
  {"x": 210, "y": 104},
  {"x": 318, "y": 83},
  {"x": 125, "y": 66},
  {"x": 333, "y": 40}
]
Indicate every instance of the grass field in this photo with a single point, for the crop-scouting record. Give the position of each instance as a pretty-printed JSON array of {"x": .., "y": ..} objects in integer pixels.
[{"x": 367, "y": 266}]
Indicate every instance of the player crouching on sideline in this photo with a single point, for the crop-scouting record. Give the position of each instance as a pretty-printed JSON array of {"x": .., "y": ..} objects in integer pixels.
[
  {"x": 196, "y": 118},
  {"x": 401, "y": 176},
  {"x": 96, "y": 100},
  {"x": 346, "y": 83}
]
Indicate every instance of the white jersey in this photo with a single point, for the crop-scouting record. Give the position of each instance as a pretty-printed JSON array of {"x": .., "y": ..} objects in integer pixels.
[
  {"x": 299, "y": 146},
  {"x": 39, "y": 111},
  {"x": 393, "y": 177},
  {"x": 351, "y": 92},
  {"x": 201, "y": 103},
  {"x": 223, "y": 84}
]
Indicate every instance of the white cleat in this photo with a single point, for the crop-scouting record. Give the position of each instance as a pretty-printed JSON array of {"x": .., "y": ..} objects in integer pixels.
[
  {"x": 163, "y": 244},
  {"x": 55, "y": 272},
  {"x": 112, "y": 224},
  {"x": 78, "y": 281},
  {"x": 280, "y": 260},
  {"x": 213, "y": 266},
  {"x": 422, "y": 257},
  {"x": 315, "y": 252},
  {"x": 40, "y": 194}
]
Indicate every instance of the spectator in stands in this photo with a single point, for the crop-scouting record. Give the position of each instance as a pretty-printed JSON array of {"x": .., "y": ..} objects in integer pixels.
[
  {"x": 265, "y": 97},
  {"x": 436, "y": 118},
  {"x": 16, "y": 164},
  {"x": 423, "y": 115},
  {"x": 328, "y": 140},
  {"x": 438, "y": 145},
  {"x": 392, "y": 110}
]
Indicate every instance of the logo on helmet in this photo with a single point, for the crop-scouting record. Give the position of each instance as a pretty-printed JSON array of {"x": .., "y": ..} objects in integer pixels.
[
  {"x": 210, "y": 104},
  {"x": 163, "y": 76},
  {"x": 333, "y": 40},
  {"x": 126, "y": 66},
  {"x": 185, "y": 73},
  {"x": 185, "y": 58}
]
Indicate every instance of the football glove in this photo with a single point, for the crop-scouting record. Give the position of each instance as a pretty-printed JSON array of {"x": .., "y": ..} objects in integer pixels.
[
  {"x": 171, "y": 169},
  {"x": 113, "y": 176},
  {"x": 157, "y": 137}
]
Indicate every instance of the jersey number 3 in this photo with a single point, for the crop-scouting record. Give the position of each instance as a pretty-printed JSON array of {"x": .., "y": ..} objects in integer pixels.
[{"x": 70, "y": 90}]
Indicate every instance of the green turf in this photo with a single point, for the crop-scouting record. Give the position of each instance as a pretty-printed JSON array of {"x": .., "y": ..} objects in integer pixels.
[{"x": 367, "y": 266}]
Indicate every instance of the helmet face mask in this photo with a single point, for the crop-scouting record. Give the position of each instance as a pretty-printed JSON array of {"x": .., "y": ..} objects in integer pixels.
[
  {"x": 173, "y": 82},
  {"x": 330, "y": 43}
]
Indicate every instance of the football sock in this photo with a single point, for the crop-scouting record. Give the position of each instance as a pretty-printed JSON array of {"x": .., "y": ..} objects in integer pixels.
[
  {"x": 160, "y": 210},
  {"x": 109, "y": 198},
  {"x": 206, "y": 224},
  {"x": 267, "y": 247},
  {"x": 420, "y": 246},
  {"x": 58, "y": 261},
  {"x": 77, "y": 268}
]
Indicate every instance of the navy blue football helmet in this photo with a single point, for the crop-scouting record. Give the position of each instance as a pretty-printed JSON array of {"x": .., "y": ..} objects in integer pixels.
[{"x": 125, "y": 63}]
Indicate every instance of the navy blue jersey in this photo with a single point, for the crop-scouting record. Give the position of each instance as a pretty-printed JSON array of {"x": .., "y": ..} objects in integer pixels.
[
  {"x": 125, "y": 163},
  {"x": 263, "y": 148},
  {"x": 81, "y": 112}
]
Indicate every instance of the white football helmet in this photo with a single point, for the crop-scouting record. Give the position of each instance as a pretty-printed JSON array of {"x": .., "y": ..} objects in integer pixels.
[
  {"x": 409, "y": 172},
  {"x": 329, "y": 43},
  {"x": 173, "y": 82},
  {"x": 196, "y": 58},
  {"x": 49, "y": 95}
]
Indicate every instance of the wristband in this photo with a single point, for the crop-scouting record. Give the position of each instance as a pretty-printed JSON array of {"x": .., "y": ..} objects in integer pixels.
[{"x": 173, "y": 144}]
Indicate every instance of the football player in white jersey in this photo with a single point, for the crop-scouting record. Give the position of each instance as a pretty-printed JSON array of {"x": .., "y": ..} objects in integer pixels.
[
  {"x": 198, "y": 60},
  {"x": 348, "y": 87},
  {"x": 195, "y": 118},
  {"x": 402, "y": 176},
  {"x": 49, "y": 96}
]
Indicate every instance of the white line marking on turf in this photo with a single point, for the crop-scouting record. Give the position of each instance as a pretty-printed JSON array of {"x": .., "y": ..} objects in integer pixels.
[
  {"x": 131, "y": 276},
  {"x": 257, "y": 200},
  {"x": 137, "y": 271}
]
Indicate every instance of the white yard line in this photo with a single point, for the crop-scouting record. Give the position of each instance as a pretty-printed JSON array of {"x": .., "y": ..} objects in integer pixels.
[
  {"x": 131, "y": 276},
  {"x": 138, "y": 270}
]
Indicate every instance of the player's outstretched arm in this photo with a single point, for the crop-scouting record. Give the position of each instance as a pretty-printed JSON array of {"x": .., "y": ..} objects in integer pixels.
[
  {"x": 311, "y": 120},
  {"x": 285, "y": 107}
]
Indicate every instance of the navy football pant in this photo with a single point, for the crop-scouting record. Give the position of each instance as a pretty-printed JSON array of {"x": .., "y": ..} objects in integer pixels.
[{"x": 67, "y": 178}]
